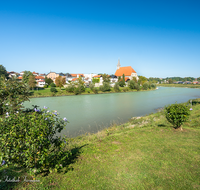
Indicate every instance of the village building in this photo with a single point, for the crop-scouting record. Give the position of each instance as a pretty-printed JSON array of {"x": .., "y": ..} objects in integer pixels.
[
  {"x": 54, "y": 75},
  {"x": 129, "y": 72}
]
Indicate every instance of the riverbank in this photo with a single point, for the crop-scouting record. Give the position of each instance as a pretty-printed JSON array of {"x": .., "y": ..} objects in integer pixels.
[
  {"x": 144, "y": 153},
  {"x": 180, "y": 85},
  {"x": 62, "y": 92}
]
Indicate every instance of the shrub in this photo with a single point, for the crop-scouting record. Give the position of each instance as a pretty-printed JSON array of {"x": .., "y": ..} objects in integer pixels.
[
  {"x": 81, "y": 88},
  {"x": 70, "y": 88},
  {"x": 53, "y": 89},
  {"x": 52, "y": 85},
  {"x": 91, "y": 86},
  {"x": 116, "y": 87},
  {"x": 177, "y": 114},
  {"x": 45, "y": 86},
  {"x": 153, "y": 85},
  {"x": 137, "y": 87},
  {"x": 132, "y": 84},
  {"x": 28, "y": 139},
  {"x": 105, "y": 87},
  {"x": 76, "y": 91},
  {"x": 145, "y": 86},
  {"x": 95, "y": 90}
]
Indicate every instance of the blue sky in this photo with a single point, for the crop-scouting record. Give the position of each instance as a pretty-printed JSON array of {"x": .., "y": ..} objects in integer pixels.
[{"x": 156, "y": 38}]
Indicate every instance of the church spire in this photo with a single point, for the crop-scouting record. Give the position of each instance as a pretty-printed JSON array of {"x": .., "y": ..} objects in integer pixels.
[{"x": 118, "y": 65}]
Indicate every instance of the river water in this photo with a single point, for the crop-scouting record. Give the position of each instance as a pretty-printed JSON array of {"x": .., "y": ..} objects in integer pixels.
[{"x": 91, "y": 113}]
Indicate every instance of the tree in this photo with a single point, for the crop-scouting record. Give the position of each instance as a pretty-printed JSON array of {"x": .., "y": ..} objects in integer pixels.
[
  {"x": 12, "y": 94},
  {"x": 25, "y": 77},
  {"x": 32, "y": 82},
  {"x": 122, "y": 81},
  {"x": 142, "y": 80},
  {"x": 106, "y": 78},
  {"x": 3, "y": 72},
  {"x": 80, "y": 81},
  {"x": 170, "y": 81},
  {"x": 60, "y": 81},
  {"x": 48, "y": 81}
]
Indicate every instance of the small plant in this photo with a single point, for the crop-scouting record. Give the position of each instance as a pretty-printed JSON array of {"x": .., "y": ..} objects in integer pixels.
[
  {"x": 53, "y": 89},
  {"x": 70, "y": 88},
  {"x": 177, "y": 114},
  {"x": 95, "y": 90}
]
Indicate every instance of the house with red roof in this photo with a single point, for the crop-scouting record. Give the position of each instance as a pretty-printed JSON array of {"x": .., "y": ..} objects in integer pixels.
[{"x": 128, "y": 71}]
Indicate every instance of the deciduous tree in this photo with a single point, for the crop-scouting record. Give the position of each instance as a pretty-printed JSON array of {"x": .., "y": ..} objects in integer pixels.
[{"x": 60, "y": 81}]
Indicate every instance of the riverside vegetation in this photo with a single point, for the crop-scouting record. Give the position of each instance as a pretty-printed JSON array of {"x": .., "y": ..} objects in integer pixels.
[{"x": 145, "y": 153}]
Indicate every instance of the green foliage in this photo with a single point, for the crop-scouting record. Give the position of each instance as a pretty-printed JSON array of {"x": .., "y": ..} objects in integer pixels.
[
  {"x": 3, "y": 72},
  {"x": 153, "y": 85},
  {"x": 81, "y": 88},
  {"x": 70, "y": 88},
  {"x": 95, "y": 90},
  {"x": 170, "y": 81},
  {"x": 52, "y": 85},
  {"x": 142, "y": 80},
  {"x": 45, "y": 86},
  {"x": 76, "y": 91},
  {"x": 106, "y": 78},
  {"x": 26, "y": 76},
  {"x": 132, "y": 84},
  {"x": 177, "y": 114},
  {"x": 80, "y": 81},
  {"x": 116, "y": 87},
  {"x": 28, "y": 139},
  {"x": 145, "y": 86},
  {"x": 12, "y": 95},
  {"x": 137, "y": 87},
  {"x": 95, "y": 80},
  {"x": 91, "y": 86},
  {"x": 48, "y": 81},
  {"x": 32, "y": 82},
  {"x": 105, "y": 87},
  {"x": 53, "y": 89}
]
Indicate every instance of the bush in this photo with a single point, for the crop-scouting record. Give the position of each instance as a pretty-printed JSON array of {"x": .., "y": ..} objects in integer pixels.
[
  {"x": 45, "y": 86},
  {"x": 91, "y": 86},
  {"x": 177, "y": 114},
  {"x": 105, "y": 87},
  {"x": 116, "y": 87},
  {"x": 137, "y": 87},
  {"x": 28, "y": 139},
  {"x": 70, "y": 88},
  {"x": 95, "y": 90},
  {"x": 132, "y": 84},
  {"x": 145, "y": 86},
  {"x": 153, "y": 85},
  {"x": 76, "y": 91},
  {"x": 52, "y": 85},
  {"x": 81, "y": 88},
  {"x": 53, "y": 89},
  {"x": 121, "y": 83}
]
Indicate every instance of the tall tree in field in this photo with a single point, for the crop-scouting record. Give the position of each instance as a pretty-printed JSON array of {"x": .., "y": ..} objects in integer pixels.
[
  {"x": 25, "y": 77},
  {"x": 3, "y": 72},
  {"x": 32, "y": 82},
  {"x": 60, "y": 81}
]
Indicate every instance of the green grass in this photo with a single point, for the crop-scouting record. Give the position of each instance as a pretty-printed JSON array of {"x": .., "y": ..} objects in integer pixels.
[
  {"x": 180, "y": 85},
  {"x": 145, "y": 153}
]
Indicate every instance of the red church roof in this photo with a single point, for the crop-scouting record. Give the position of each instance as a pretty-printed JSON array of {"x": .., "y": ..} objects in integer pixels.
[{"x": 124, "y": 70}]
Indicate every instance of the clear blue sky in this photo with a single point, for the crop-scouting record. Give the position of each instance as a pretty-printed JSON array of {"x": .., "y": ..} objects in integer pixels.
[{"x": 157, "y": 38}]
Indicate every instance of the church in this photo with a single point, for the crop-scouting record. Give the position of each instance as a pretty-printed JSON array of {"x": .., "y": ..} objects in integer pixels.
[{"x": 129, "y": 72}]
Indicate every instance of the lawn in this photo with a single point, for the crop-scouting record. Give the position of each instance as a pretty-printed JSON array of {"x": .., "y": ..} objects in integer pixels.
[{"x": 145, "y": 153}]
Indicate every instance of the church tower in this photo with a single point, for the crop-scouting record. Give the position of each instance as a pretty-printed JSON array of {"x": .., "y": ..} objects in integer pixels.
[{"x": 118, "y": 65}]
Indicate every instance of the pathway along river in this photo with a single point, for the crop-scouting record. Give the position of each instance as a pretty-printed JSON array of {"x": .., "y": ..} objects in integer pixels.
[{"x": 91, "y": 113}]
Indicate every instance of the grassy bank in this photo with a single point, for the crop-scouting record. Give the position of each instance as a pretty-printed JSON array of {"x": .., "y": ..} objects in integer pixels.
[
  {"x": 180, "y": 85},
  {"x": 145, "y": 153},
  {"x": 62, "y": 92}
]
